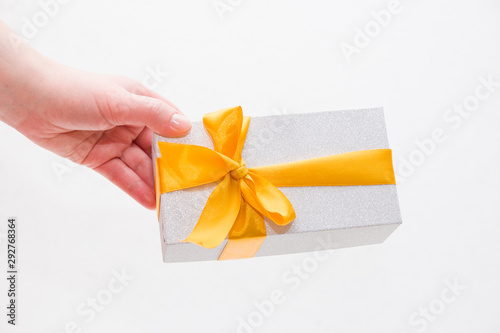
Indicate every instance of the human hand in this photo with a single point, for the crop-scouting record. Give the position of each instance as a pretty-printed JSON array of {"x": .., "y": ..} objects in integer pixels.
[{"x": 102, "y": 121}]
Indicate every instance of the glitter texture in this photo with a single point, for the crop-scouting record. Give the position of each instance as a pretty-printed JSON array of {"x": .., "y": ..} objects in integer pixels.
[{"x": 327, "y": 216}]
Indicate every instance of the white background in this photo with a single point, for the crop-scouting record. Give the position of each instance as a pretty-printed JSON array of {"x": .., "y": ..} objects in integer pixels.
[{"x": 76, "y": 230}]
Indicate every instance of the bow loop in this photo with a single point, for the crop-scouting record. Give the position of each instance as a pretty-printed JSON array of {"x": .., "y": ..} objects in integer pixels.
[
  {"x": 228, "y": 129},
  {"x": 267, "y": 199}
]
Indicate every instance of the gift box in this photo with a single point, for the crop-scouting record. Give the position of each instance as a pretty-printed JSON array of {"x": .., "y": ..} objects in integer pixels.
[{"x": 361, "y": 208}]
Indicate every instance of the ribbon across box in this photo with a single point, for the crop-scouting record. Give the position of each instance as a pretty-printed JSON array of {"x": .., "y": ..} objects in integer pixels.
[{"x": 323, "y": 217}]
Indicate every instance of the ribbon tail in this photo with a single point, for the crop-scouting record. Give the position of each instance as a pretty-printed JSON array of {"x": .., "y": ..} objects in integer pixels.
[
  {"x": 218, "y": 216},
  {"x": 247, "y": 234}
]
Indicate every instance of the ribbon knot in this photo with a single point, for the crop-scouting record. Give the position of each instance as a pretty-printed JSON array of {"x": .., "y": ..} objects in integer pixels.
[
  {"x": 240, "y": 172},
  {"x": 244, "y": 196}
]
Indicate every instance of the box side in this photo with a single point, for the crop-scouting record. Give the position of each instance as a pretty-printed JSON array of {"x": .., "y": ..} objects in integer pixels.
[
  {"x": 367, "y": 214},
  {"x": 289, "y": 243}
]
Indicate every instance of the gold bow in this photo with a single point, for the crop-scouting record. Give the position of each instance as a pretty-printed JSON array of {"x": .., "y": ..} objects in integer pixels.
[{"x": 237, "y": 206}]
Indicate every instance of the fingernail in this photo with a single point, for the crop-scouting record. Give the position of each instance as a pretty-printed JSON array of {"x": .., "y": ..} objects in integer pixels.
[{"x": 180, "y": 122}]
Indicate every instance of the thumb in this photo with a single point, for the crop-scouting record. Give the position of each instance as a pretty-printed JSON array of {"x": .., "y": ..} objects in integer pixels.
[{"x": 151, "y": 112}]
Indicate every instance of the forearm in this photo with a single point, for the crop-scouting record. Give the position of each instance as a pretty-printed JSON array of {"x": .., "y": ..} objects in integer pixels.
[{"x": 21, "y": 77}]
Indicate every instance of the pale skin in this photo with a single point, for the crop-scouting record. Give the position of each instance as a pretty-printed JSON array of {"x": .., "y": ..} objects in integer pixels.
[{"x": 104, "y": 122}]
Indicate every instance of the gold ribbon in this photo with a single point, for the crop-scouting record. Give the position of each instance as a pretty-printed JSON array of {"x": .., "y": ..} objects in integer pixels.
[{"x": 238, "y": 204}]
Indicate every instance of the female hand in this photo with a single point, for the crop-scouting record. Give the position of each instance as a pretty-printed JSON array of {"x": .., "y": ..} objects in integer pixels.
[{"x": 102, "y": 121}]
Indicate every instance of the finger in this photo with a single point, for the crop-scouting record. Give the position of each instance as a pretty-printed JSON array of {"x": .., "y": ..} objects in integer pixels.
[
  {"x": 110, "y": 145},
  {"x": 154, "y": 113},
  {"x": 137, "y": 88},
  {"x": 139, "y": 162},
  {"x": 151, "y": 93},
  {"x": 144, "y": 140},
  {"x": 126, "y": 179}
]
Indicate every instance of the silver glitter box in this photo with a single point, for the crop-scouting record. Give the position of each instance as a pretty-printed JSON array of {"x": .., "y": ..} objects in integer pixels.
[{"x": 328, "y": 217}]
